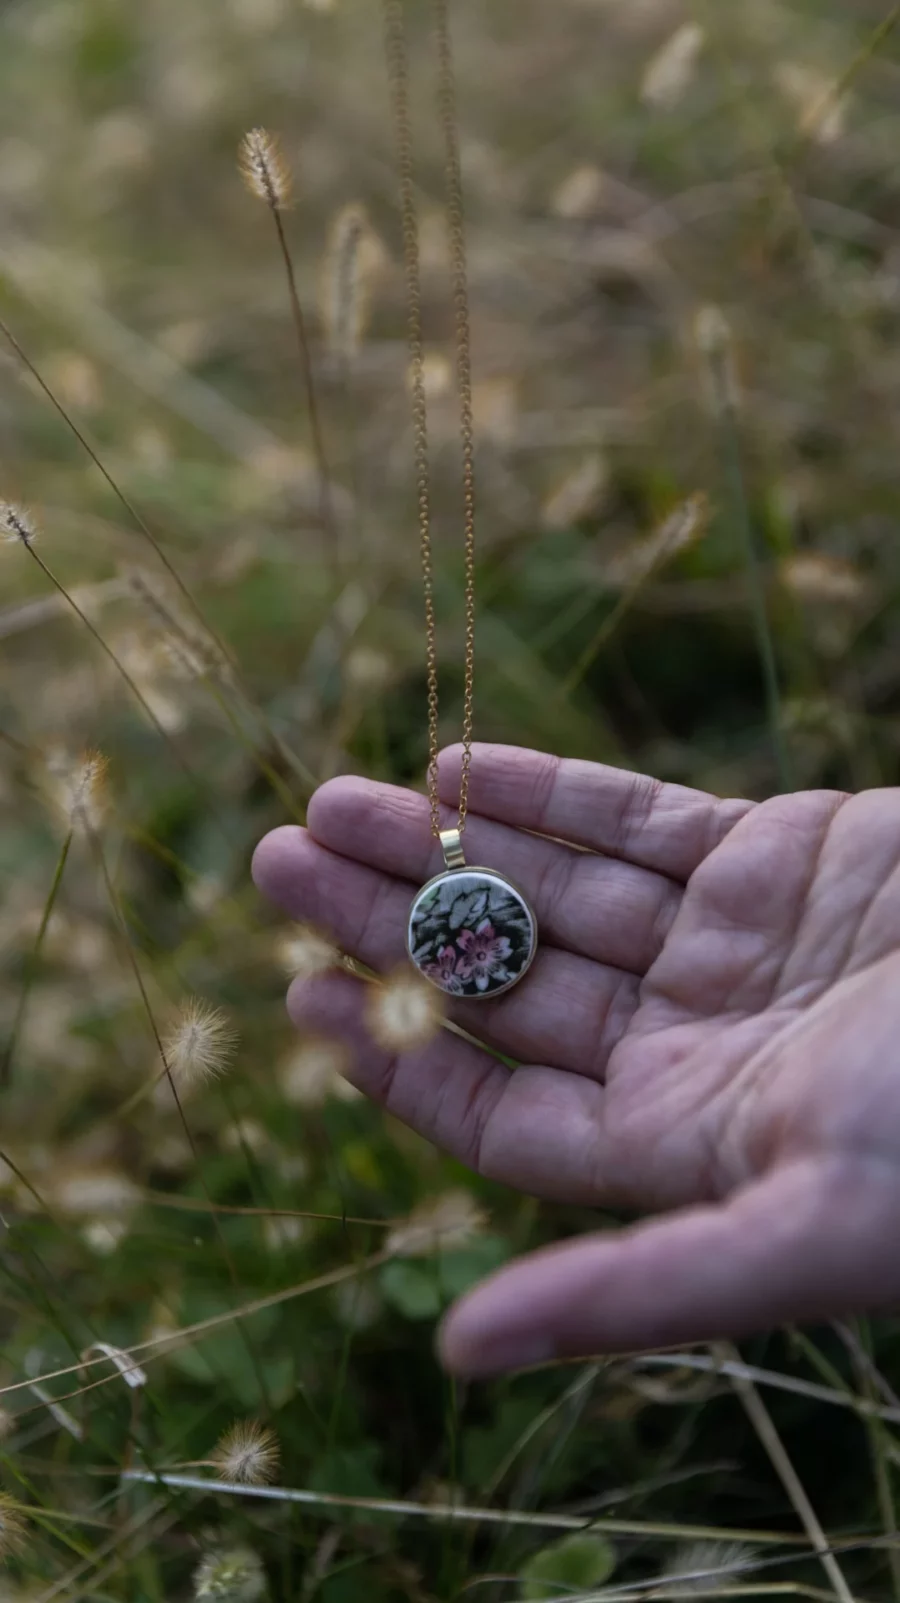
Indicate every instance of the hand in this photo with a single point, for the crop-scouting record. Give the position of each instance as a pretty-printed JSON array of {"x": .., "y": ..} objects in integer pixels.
[{"x": 711, "y": 1025}]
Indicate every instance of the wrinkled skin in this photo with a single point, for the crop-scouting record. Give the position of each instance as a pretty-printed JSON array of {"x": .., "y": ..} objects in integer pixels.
[{"x": 710, "y": 1031}]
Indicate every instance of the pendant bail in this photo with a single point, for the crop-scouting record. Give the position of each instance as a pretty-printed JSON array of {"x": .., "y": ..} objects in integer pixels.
[{"x": 451, "y": 846}]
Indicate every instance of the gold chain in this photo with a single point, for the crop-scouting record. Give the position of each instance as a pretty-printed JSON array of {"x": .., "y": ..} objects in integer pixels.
[{"x": 398, "y": 78}]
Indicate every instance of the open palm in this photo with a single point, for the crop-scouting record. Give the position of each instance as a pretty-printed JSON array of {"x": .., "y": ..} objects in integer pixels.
[{"x": 711, "y": 1026}]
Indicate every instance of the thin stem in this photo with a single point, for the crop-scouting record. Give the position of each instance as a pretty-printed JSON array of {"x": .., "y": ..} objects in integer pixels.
[
  {"x": 326, "y": 509},
  {"x": 882, "y": 1475},
  {"x": 85, "y": 444},
  {"x": 734, "y": 472},
  {"x": 117, "y": 491},
  {"x": 53, "y": 1404},
  {"x": 761, "y": 1420},
  {"x": 685, "y": 524},
  {"x": 881, "y": 1468},
  {"x": 165, "y": 1199},
  {"x": 604, "y": 633},
  {"x": 463, "y": 1513},
  {"x": 866, "y": 1364},
  {"x": 10, "y": 740},
  {"x": 32, "y": 964},
  {"x": 159, "y": 1346},
  {"x": 837, "y": 90},
  {"x": 582, "y": 1384},
  {"x": 23, "y": 1179},
  {"x": 126, "y": 676},
  {"x": 139, "y": 1095},
  {"x": 170, "y": 625},
  {"x": 145, "y": 1000},
  {"x": 145, "y": 530},
  {"x": 262, "y": 763},
  {"x": 116, "y": 1543},
  {"x": 734, "y": 1369}
]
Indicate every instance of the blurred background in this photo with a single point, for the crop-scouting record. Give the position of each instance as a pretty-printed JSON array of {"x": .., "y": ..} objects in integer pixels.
[{"x": 683, "y": 223}]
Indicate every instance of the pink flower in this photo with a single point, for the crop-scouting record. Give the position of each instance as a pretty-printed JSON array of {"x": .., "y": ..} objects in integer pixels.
[
  {"x": 446, "y": 972},
  {"x": 484, "y": 955}
]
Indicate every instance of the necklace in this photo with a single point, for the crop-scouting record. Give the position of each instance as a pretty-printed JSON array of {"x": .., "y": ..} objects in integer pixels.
[{"x": 471, "y": 932}]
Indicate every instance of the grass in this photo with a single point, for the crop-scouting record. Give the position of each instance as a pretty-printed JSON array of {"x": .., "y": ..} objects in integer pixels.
[{"x": 226, "y": 603}]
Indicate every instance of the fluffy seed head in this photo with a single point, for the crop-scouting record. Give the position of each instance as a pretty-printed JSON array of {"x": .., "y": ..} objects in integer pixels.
[
  {"x": 670, "y": 71},
  {"x": 190, "y": 657},
  {"x": 313, "y": 1073},
  {"x": 145, "y": 661},
  {"x": 16, "y": 523},
  {"x": 438, "y": 1223},
  {"x": 264, "y": 169},
  {"x": 580, "y": 194},
  {"x": 367, "y": 670},
  {"x": 683, "y": 527},
  {"x": 578, "y": 495},
  {"x": 88, "y": 1191},
  {"x": 817, "y": 576},
  {"x": 281, "y": 1234},
  {"x": 245, "y": 1135},
  {"x": 199, "y": 1044},
  {"x": 247, "y": 1454},
  {"x": 820, "y": 108},
  {"x": 404, "y": 1012},
  {"x": 704, "y": 1567},
  {"x": 712, "y": 330},
  {"x": 231, "y": 1575},
  {"x": 78, "y": 789},
  {"x": 713, "y": 336},
  {"x": 180, "y": 649},
  {"x": 346, "y": 279},
  {"x": 104, "y": 1235},
  {"x": 12, "y": 1527},
  {"x": 305, "y": 952}
]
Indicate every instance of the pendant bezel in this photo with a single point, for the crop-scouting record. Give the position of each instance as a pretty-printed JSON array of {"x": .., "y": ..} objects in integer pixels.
[{"x": 493, "y": 874}]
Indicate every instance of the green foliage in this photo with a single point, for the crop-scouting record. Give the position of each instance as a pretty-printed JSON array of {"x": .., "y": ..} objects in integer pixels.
[
  {"x": 350, "y": 1472},
  {"x": 421, "y": 1290},
  {"x": 575, "y": 1564},
  {"x": 412, "y": 1288}
]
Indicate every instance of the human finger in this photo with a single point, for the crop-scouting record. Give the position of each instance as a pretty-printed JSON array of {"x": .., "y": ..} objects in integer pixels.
[
  {"x": 600, "y": 907},
  {"x": 804, "y": 1243},
  {"x": 534, "y": 1127},
  {"x": 665, "y": 828}
]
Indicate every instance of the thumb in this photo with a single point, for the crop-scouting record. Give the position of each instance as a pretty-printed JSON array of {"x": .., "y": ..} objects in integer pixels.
[{"x": 811, "y": 1241}]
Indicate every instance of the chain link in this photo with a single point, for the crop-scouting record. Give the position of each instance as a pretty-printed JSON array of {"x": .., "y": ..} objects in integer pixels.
[{"x": 398, "y": 79}]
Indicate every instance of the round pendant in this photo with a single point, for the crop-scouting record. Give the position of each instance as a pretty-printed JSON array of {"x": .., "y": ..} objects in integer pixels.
[{"x": 471, "y": 932}]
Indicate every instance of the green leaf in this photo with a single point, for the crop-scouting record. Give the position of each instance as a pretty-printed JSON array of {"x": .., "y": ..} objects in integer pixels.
[
  {"x": 350, "y": 1472},
  {"x": 412, "y": 1288},
  {"x": 461, "y": 1268},
  {"x": 223, "y": 1361},
  {"x": 577, "y": 1563},
  {"x": 281, "y": 1382},
  {"x": 486, "y": 1446}
]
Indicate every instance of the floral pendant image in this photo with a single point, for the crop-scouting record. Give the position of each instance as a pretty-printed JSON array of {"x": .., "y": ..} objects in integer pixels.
[{"x": 471, "y": 932}]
